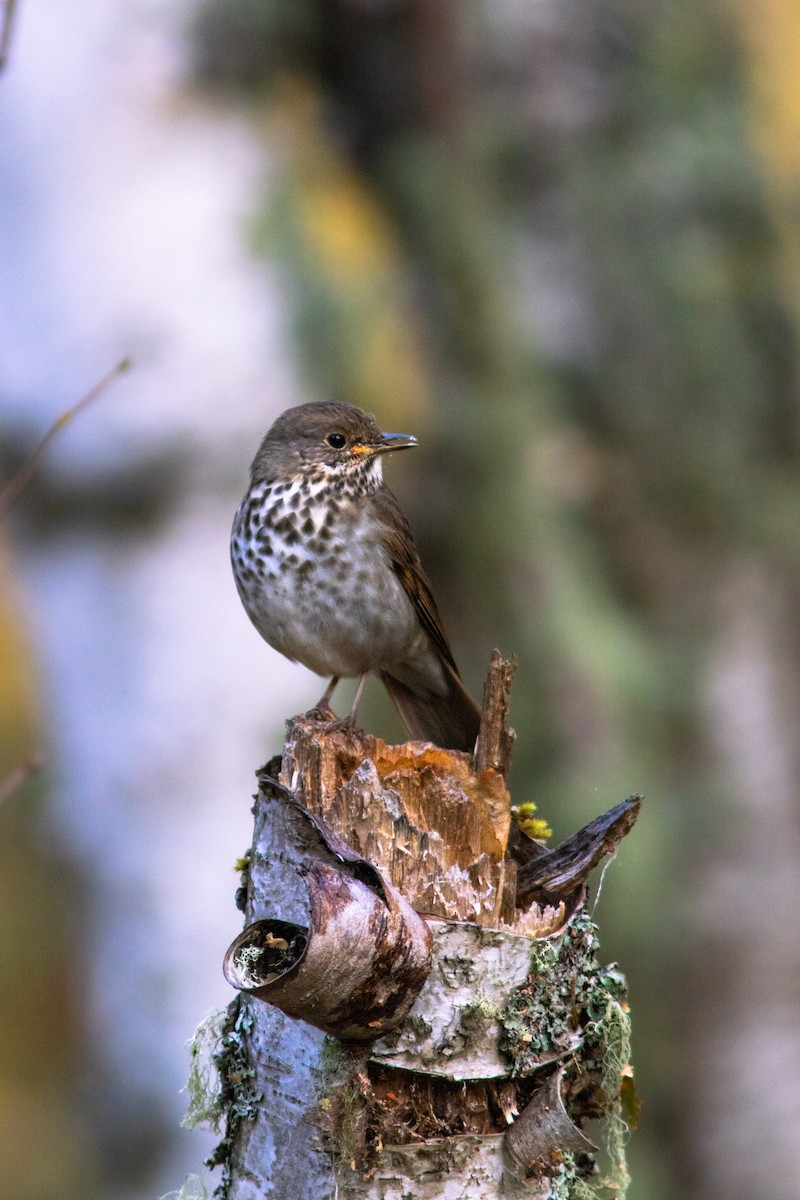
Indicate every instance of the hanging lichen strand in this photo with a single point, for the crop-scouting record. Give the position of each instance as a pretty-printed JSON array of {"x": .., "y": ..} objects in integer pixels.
[{"x": 221, "y": 1087}]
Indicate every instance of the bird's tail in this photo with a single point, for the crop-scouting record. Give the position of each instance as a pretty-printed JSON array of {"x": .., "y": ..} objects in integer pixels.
[{"x": 450, "y": 721}]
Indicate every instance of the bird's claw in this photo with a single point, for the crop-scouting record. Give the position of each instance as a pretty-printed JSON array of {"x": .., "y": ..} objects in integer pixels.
[
  {"x": 322, "y": 712},
  {"x": 329, "y": 717}
]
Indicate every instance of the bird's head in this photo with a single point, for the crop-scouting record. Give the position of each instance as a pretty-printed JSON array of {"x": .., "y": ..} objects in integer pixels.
[{"x": 325, "y": 440}]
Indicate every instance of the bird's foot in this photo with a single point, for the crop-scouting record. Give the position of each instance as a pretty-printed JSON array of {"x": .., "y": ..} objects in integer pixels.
[
  {"x": 322, "y": 712},
  {"x": 348, "y": 722},
  {"x": 329, "y": 717}
]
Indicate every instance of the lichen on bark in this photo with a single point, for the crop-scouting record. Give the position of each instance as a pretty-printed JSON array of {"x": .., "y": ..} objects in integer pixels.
[
  {"x": 574, "y": 1009},
  {"x": 239, "y": 1095}
]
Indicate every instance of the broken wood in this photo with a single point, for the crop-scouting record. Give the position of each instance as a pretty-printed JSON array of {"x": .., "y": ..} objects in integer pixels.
[{"x": 496, "y": 739}]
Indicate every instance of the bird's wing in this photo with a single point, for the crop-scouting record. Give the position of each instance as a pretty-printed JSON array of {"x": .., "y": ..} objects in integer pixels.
[{"x": 398, "y": 542}]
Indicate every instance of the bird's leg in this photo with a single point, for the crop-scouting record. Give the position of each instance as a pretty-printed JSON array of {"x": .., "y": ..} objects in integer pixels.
[
  {"x": 323, "y": 705},
  {"x": 323, "y": 708},
  {"x": 349, "y": 721},
  {"x": 325, "y": 699},
  {"x": 352, "y": 715}
]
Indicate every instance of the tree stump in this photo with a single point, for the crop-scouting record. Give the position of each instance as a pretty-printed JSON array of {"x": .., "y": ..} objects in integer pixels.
[{"x": 421, "y": 1011}]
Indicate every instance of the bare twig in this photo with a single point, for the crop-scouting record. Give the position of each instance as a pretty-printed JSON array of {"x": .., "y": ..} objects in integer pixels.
[
  {"x": 9, "y": 7},
  {"x": 11, "y": 490},
  {"x": 15, "y": 779}
]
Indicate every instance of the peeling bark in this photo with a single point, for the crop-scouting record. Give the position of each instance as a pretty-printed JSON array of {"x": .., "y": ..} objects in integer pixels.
[{"x": 358, "y": 965}]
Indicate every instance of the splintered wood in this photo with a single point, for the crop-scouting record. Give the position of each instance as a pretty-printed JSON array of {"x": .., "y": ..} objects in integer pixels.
[
  {"x": 433, "y": 827},
  {"x": 432, "y": 822}
]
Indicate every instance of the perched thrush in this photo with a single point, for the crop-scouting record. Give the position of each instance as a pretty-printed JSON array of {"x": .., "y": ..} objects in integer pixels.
[{"x": 329, "y": 574}]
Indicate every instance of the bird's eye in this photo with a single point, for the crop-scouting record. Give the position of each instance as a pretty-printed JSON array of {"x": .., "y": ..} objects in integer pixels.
[{"x": 336, "y": 440}]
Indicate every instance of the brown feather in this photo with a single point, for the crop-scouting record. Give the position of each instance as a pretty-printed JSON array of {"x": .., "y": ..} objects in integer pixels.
[
  {"x": 398, "y": 542},
  {"x": 452, "y": 720}
]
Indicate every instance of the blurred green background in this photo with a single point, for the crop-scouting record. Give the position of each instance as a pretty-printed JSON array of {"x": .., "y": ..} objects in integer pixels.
[{"x": 559, "y": 243}]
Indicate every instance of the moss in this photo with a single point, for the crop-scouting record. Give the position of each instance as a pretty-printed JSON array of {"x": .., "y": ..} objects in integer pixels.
[
  {"x": 344, "y": 1117},
  {"x": 334, "y": 1059},
  {"x": 343, "y": 1090},
  {"x": 242, "y": 865},
  {"x": 535, "y": 827}
]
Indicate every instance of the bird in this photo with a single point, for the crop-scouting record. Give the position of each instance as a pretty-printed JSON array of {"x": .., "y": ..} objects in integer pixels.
[{"x": 328, "y": 573}]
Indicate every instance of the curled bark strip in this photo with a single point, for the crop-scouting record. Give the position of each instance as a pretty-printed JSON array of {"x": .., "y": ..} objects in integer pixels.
[
  {"x": 535, "y": 1143},
  {"x": 561, "y": 872},
  {"x": 354, "y": 972},
  {"x": 495, "y": 739},
  {"x": 359, "y": 867}
]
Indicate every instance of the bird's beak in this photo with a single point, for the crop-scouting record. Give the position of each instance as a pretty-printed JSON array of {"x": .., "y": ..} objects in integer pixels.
[
  {"x": 396, "y": 441},
  {"x": 388, "y": 441}
]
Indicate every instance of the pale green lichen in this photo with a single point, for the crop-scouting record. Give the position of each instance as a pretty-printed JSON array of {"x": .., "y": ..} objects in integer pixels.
[
  {"x": 239, "y": 1098},
  {"x": 479, "y": 1009},
  {"x": 613, "y": 1033},
  {"x": 569, "y": 1183},
  {"x": 194, "y": 1188},
  {"x": 203, "y": 1086},
  {"x": 568, "y": 1008}
]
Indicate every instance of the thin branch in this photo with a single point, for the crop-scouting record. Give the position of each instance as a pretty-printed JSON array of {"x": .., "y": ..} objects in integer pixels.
[
  {"x": 9, "y": 8},
  {"x": 10, "y": 492},
  {"x": 15, "y": 779}
]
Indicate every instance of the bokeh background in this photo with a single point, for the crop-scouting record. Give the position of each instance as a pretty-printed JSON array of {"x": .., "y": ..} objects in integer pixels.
[{"x": 559, "y": 241}]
